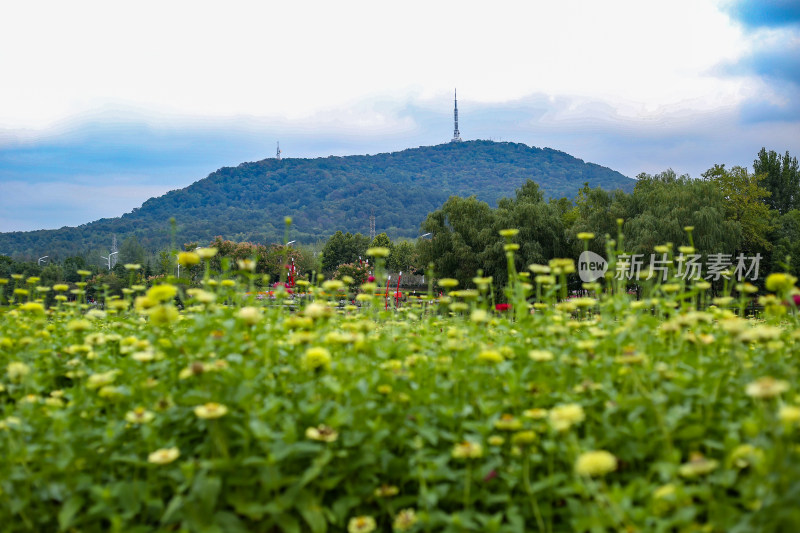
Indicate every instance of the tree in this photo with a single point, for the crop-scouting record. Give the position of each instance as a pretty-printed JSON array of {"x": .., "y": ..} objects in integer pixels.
[
  {"x": 403, "y": 257},
  {"x": 343, "y": 248},
  {"x": 781, "y": 177},
  {"x": 786, "y": 239},
  {"x": 131, "y": 251},
  {"x": 744, "y": 203}
]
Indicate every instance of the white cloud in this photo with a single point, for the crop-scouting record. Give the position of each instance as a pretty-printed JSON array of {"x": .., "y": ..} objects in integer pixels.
[{"x": 295, "y": 59}]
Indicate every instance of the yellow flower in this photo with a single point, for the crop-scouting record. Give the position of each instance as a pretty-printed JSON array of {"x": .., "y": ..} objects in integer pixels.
[
  {"x": 448, "y": 283},
  {"x": 210, "y": 410},
  {"x": 161, "y": 293},
  {"x": 139, "y": 416},
  {"x": 384, "y": 389},
  {"x": 540, "y": 355},
  {"x": 585, "y": 236},
  {"x": 405, "y": 520},
  {"x": 496, "y": 440},
  {"x": 163, "y": 456},
  {"x": 206, "y": 253},
  {"x": 322, "y": 433},
  {"x": 79, "y": 324},
  {"x": 317, "y": 310},
  {"x": 746, "y": 455},
  {"x": 512, "y": 232},
  {"x": 523, "y": 438},
  {"x": 250, "y": 315},
  {"x": 563, "y": 417},
  {"x": 32, "y": 307},
  {"x": 479, "y": 316},
  {"x": 17, "y": 370},
  {"x": 204, "y": 297},
  {"x": 698, "y": 465},
  {"x": 766, "y": 387},
  {"x": 779, "y": 282},
  {"x": 163, "y": 315},
  {"x": 789, "y": 414},
  {"x": 333, "y": 285},
  {"x": 132, "y": 266},
  {"x": 101, "y": 379},
  {"x": 490, "y": 356},
  {"x": 386, "y": 491},
  {"x": 61, "y": 287},
  {"x": 361, "y": 524},
  {"x": 467, "y": 450},
  {"x": 246, "y": 264},
  {"x": 535, "y": 414},
  {"x": 595, "y": 463},
  {"x": 508, "y": 422},
  {"x": 316, "y": 357},
  {"x": 188, "y": 259},
  {"x": 378, "y": 251}
]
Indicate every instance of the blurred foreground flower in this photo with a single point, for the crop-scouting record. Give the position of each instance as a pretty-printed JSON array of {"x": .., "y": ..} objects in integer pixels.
[
  {"x": 210, "y": 410},
  {"x": 595, "y": 463},
  {"x": 163, "y": 456},
  {"x": 361, "y": 524},
  {"x": 322, "y": 433},
  {"x": 766, "y": 387}
]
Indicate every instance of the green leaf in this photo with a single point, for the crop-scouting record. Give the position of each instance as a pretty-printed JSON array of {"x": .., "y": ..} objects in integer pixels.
[{"x": 68, "y": 511}]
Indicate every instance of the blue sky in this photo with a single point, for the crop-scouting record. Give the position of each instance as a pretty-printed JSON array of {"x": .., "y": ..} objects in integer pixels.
[{"x": 104, "y": 105}]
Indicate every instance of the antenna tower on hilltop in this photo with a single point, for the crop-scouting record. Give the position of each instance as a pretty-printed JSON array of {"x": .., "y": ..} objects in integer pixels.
[
  {"x": 372, "y": 225},
  {"x": 278, "y": 153},
  {"x": 456, "y": 133}
]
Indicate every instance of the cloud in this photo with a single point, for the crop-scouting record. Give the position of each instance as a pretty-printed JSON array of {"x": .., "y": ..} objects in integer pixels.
[
  {"x": 103, "y": 167},
  {"x": 766, "y": 13}
]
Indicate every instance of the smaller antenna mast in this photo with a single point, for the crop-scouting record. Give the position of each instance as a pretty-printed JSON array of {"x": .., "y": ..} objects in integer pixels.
[{"x": 278, "y": 153}]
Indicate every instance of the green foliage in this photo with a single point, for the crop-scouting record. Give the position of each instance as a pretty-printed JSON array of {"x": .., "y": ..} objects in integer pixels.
[
  {"x": 745, "y": 203},
  {"x": 786, "y": 238},
  {"x": 214, "y": 411},
  {"x": 781, "y": 177},
  {"x": 344, "y": 248},
  {"x": 465, "y": 235},
  {"x": 250, "y": 201},
  {"x": 662, "y": 205}
]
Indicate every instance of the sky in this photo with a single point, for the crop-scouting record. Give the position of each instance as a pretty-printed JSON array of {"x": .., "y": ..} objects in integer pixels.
[{"x": 106, "y": 104}]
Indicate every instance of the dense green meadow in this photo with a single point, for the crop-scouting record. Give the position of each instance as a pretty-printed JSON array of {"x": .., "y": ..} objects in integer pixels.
[{"x": 212, "y": 408}]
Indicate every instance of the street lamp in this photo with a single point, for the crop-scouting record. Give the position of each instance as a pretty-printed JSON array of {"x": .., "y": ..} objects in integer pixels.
[
  {"x": 109, "y": 258},
  {"x": 40, "y": 260},
  {"x": 290, "y": 243},
  {"x": 425, "y": 235}
]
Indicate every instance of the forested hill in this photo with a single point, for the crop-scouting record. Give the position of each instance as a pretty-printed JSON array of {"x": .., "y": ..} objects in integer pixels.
[{"x": 249, "y": 202}]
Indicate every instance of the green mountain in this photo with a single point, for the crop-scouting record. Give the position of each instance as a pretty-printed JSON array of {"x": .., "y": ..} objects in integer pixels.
[{"x": 322, "y": 195}]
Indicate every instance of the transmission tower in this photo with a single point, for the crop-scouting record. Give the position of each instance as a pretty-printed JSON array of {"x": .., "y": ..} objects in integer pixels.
[
  {"x": 372, "y": 225},
  {"x": 278, "y": 153},
  {"x": 456, "y": 133}
]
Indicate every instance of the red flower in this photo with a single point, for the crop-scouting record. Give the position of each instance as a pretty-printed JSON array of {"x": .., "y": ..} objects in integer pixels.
[
  {"x": 490, "y": 476},
  {"x": 371, "y": 279},
  {"x": 502, "y": 307}
]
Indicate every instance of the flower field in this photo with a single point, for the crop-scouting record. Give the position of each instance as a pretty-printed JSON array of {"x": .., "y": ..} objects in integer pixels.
[{"x": 205, "y": 409}]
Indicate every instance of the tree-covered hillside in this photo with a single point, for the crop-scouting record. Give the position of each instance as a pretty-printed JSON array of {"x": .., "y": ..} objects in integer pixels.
[{"x": 249, "y": 202}]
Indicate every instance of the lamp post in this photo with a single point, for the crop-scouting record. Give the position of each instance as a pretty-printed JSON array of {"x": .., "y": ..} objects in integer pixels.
[
  {"x": 424, "y": 235},
  {"x": 109, "y": 258},
  {"x": 41, "y": 259}
]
